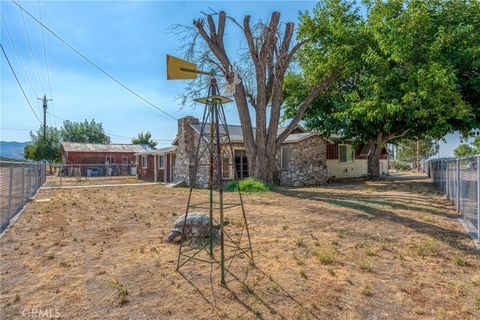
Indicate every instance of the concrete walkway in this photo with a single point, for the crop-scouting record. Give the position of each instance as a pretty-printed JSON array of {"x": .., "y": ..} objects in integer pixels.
[{"x": 103, "y": 185}]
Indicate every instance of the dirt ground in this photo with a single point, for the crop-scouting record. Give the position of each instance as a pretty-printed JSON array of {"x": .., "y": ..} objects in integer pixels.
[{"x": 348, "y": 250}]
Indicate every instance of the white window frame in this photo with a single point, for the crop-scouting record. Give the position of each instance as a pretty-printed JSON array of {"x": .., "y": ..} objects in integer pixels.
[
  {"x": 161, "y": 164},
  {"x": 144, "y": 162},
  {"x": 123, "y": 160},
  {"x": 284, "y": 166},
  {"x": 347, "y": 146},
  {"x": 109, "y": 158}
]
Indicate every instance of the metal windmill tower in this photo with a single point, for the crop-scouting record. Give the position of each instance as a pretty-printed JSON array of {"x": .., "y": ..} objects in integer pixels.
[{"x": 213, "y": 155}]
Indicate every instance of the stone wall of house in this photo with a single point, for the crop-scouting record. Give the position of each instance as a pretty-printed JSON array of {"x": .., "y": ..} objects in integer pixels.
[{"x": 307, "y": 163}]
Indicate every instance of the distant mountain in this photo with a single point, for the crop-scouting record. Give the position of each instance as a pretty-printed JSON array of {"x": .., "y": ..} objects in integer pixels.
[{"x": 12, "y": 149}]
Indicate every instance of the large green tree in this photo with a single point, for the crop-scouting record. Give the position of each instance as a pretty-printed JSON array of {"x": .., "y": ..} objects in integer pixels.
[
  {"x": 465, "y": 149},
  {"x": 86, "y": 131},
  {"x": 412, "y": 70},
  {"x": 145, "y": 139},
  {"x": 44, "y": 148}
]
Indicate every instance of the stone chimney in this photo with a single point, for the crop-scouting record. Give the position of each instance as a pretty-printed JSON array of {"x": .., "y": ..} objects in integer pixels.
[{"x": 185, "y": 157}]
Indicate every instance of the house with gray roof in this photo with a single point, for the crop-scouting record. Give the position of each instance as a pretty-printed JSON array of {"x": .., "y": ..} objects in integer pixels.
[{"x": 305, "y": 158}]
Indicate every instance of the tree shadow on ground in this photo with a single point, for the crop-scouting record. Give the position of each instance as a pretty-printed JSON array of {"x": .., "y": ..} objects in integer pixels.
[
  {"x": 243, "y": 293},
  {"x": 366, "y": 205}
]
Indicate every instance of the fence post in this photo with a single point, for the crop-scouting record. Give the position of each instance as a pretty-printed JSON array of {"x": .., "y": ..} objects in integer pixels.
[
  {"x": 23, "y": 184},
  {"x": 478, "y": 197},
  {"x": 447, "y": 179},
  {"x": 457, "y": 200},
  {"x": 30, "y": 183},
  {"x": 10, "y": 187}
]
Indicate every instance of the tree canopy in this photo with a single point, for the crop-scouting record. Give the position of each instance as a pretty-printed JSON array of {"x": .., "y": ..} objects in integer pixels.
[
  {"x": 410, "y": 70},
  {"x": 407, "y": 150},
  {"x": 44, "y": 148},
  {"x": 145, "y": 139},
  {"x": 465, "y": 149},
  {"x": 86, "y": 131}
]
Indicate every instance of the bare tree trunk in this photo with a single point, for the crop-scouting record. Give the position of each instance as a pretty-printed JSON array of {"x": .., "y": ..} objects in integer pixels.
[{"x": 271, "y": 55}]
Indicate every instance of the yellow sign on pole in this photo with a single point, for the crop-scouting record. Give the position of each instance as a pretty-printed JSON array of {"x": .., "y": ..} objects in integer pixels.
[{"x": 178, "y": 69}]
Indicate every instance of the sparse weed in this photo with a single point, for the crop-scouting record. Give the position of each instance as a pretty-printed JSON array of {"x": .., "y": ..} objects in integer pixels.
[
  {"x": 365, "y": 266},
  {"x": 331, "y": 272},
  {"x": 51, "y": 256},
  {"x": 122, "y": 294},
  {"x": 301, "y": 244},
  {"x": 371, "y": 251},
  {"x": 426, "y": 247},
  {"x": 258, "y": 313},
  {"x": 326, "y": 256},
  {"x": 460, "y": 261},
  {"x": 298, "y": 259},
  {"x": 303, "y": 274},
  {"x": 64, "y": 264},
  {"x": 285, "y": 227},
  {"x": 236, "y": 222},
  {"x": 367, "y": 291}
]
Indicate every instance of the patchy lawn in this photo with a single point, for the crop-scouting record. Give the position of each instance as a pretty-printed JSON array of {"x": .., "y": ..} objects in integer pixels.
[{"x": 350, "y": 250}]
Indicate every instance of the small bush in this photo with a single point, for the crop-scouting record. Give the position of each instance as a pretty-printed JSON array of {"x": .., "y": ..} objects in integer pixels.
[
  {"x": 367, "y": 291},
  {"x": 248, "y": 185},
  {"x": 459, "y": 261},
  {"x": 365, "y": 267},
  {"x": 325, "y": 256},
  {"x": 426, "y": 247}
]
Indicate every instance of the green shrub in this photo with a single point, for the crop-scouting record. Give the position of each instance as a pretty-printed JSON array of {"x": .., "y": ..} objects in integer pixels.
[{"x": 248, "y": 185}]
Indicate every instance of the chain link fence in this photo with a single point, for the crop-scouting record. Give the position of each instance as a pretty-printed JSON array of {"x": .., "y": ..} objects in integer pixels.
[
  {"x": 19, "y": 181},
  {"x": 459, "y": 179},
  {"x": 67, "y": 175}
]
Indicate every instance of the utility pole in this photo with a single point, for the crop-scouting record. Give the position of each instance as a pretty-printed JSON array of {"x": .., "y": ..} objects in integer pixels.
[{"x": 45, "y": 105}]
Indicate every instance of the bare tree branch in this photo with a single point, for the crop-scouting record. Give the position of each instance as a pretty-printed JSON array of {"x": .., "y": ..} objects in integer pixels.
[{"x": 303, "y": 106}]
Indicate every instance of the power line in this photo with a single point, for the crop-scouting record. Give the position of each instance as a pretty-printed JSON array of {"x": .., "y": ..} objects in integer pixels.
[
  {"x": 19, "y": 84},
  {"x": 18, "y": 55},
  {"x": 94, "y": 64},
  {"x": 31, "y": 51},
  {"x": 46, "y": 63}
]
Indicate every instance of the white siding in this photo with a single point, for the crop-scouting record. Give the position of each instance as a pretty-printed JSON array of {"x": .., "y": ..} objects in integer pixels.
[{"x": 355, "y": 169}]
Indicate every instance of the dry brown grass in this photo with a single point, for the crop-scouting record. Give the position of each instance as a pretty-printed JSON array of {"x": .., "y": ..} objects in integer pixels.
[{"x": 357, "y": 250}]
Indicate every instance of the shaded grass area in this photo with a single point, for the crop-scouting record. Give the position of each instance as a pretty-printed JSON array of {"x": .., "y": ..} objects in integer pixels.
[{"x": 351, "y": 250}]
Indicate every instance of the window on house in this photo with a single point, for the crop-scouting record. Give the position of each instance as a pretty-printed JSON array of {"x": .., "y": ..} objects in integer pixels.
[
  {"x": 110, "y": 159},
  {"x": 345, "y": 152},
  {"x": 285, "y": 159},
  {"x": 226, "y": 168},
  {"x": 125, "y": 160},
  {"x": 144, "y": 162},
  {"x": 241, "y": 164},
  {"x": 161, "y": 162}
]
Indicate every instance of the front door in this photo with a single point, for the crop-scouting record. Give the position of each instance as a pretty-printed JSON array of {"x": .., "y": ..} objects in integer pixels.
[
  {"x": 172, "y": 165},
  {"x": 241, "y": 164}
]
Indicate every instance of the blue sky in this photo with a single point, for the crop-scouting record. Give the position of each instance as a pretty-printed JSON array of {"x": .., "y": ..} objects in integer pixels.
[{"x": 130, "y": 40}]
